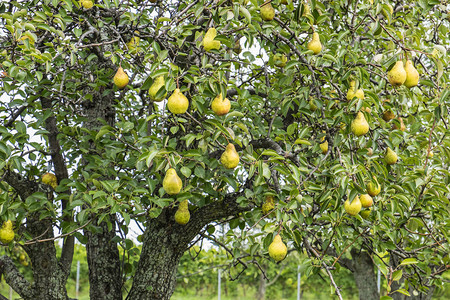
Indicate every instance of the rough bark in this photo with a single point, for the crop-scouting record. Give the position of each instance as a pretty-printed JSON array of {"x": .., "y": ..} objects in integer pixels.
[
  {"x": 164, "y": 243},
  {"x": 364, "y": 274},
  {"x": 262, "y": 287},
  {"x": 49, "y": 279},
  {"x": 104, "y": 264},
  {"x": 101, "y": 249}
]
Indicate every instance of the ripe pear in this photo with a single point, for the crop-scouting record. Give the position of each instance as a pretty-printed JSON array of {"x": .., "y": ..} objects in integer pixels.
[
  {"x": 220, "y": 106},
  {"x": 366, "y": 200},
  {"x": 277, "y": 249},
  {"x": 121, "y": 78},
  {"x": 133, "y": 43},
  {"x": 279, "y": 60},
  {"x": 177, "y": 102},
  {"x": 230, "y": 157},
  {"x": 87, "y": 4},
  {"x": 172, "y": 183},
  {"x": 314, "y": 45},
  {"x": 351, "y": 93},
  {"x": 388, "y": 115},
  {"x": 369, "y": 151},
  {"x": 412, "y": 76},
  {"x": 402, "y": 125},
  {"x": 155, "y": 87},
  {"x": 6, "y": 232},
  {"x": 237, "y": 47},
  {"x": 390, "y": 157},
  {"x": 324, "y": 146},
  {"x": 397, "y": 75},
  {"x": 359, "y": 125},
  {"x": 267, "y": 12},
  {"x": 373, "y": 189},
  {"x": 430, "y": 154},
  {"x": 182, "y": 214},
  {"x": 352, "y": 208},
  {"x": 268, "y": 205},
  {"x": 208, "y": 41},
  {"x": 50, "y": 179}
]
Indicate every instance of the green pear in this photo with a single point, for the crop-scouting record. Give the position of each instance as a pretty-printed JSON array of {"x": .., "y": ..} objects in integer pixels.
[
  {"x": 412, "y": 76},
  {"x": 230, "y": 157},
  {"x": 277, "y": 249},
  {"x": 279, "y": 60},
  {"x": 172, "y": 183},
  {"x": 365, "y": 214},
  {"x": 314, "y": 45},
  {"x": 121, "y": 78},
  {"x": 390, "y": 157},
  {"x": 366, "y": 200},
  {"x": 220, "y": 106},
  {"x": 324, "y": 146},
  {"x": 50, "y": 179},
  {"x": 359, "y": 125},
  {"x": 155, "y": 87},
  {"x": 352, "y": 208},
  {"x": 6, "y": 232},
  {"x": 373, "y": 188},
  {"x": 208, "y": 41},
  {"x": 182, "y": 214},
  {"x": 267, "y": 12},
  {"x": 177, "y": 102},
  {"x": 397, "y": 75},
  {"x": 268, "y": 205},
  {"x": 388, "y": 115}
]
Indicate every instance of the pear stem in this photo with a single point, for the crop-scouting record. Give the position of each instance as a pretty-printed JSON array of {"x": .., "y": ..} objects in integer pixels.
[
  {"x": 168, "y": 160},
  {"x": 178, "y": 85}
]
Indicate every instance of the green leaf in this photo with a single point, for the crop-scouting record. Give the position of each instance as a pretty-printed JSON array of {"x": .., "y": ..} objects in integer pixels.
[{"x": 409, "y": 261}]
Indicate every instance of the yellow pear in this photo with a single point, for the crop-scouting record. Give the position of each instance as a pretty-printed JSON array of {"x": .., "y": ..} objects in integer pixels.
[
  {"x": 121, "y": 78},
  {"x": 230, "y": 157},
  {"x": 155, "y": 87},
  {"x": 388, "y": 115},
  {"x": 6, "y": 232},
  {"x": 208, "y": 41},
  {"x": 220, "y": 106},
  {"x": 50, "y": 179},
  {"x": 279, "y": 60},
  {"x": 365, "y": 214},
  {"x": 172, "y": 183},
  {"x": 268, "y": 205},
  {"x": 397, "y": 75},
  {"x": 352, "y": 208},
  {"x": 314, "y": 45},
  {"x": 133, "y": 43},
  {"x": 359, "y": 125},
  {"x": 277, "y": 249},
  {"x": 87, "y": 4},
  {"x": 177, "y": 102},
  {"x": 366, "y": 200},
  {"x": 390, "y": 157},
  {"x": 430, "y": 154},
  {"x": 369, "y": 151},
  {"x": 324, "y": 146},
  {"x": 267, "y": 12},
  {"x": 402, "y": 125},
  {"x": 412, "y": 76},
  {"x": 373, "y": 188},
  {"x": 182, "y": 214},
  {"x": 237, "y": 47}
]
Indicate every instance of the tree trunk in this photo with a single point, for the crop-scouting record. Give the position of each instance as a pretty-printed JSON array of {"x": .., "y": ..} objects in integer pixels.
[
  {"x": 364, "y": 274},
  {"x": 104, "y": 268},
  {"x": 165, "y": 241},
  {"x": 262, "y": 287}
]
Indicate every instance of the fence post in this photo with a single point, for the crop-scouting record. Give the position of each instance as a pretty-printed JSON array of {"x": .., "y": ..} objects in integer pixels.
[
  {"x": 378, "y": 280},
  {"x": 298, "y": 282},
  {"x": 77, "y": 285},
  {"x": 219, "y": 279}
]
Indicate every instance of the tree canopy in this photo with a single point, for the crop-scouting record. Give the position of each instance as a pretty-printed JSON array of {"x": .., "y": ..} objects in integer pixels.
[{"x": 318, "y": 95}]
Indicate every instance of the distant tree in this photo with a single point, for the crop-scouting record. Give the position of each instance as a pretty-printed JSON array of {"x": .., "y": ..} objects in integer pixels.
[{"x": 110, "y": 148}]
